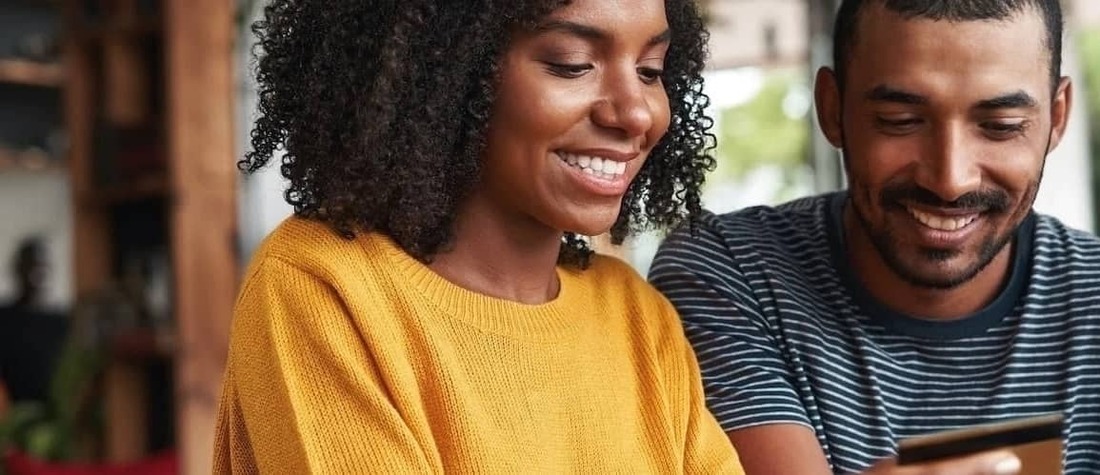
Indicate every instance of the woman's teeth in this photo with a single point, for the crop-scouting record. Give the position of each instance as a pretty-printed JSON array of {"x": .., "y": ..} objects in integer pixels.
[
  {"x": 602, "y": 168},
  {"x": 943, "y": 223}
]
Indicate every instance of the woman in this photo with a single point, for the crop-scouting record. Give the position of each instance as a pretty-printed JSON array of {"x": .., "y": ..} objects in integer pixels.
[{"x": 431, "y": 307}]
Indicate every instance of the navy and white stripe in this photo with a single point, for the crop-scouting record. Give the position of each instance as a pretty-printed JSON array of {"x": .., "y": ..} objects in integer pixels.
[{"x": 783, "y": 335}]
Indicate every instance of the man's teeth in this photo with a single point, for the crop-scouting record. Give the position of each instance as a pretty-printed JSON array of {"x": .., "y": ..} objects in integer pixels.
[
  {"x": 942, "y": 223},
  {"x": 603, "y": 168}
]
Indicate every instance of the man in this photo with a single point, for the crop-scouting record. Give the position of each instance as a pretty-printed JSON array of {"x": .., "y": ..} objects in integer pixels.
[
  {"x": 31, "y": 337},
  {"x": 928, "y": 295}
]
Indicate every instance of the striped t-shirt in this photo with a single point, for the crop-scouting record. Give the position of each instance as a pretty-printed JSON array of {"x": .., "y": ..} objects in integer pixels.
[{"x": 784, "y": 335}]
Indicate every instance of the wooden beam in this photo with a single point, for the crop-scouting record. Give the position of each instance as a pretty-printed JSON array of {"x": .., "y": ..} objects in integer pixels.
[
  {"x": 199, "y": 43},
  {"x": 126, "y": 77},
  {"x": 123, "y": 397},
  {"x": 91, "y": 237},
  {"x": 124, "y": 402}
]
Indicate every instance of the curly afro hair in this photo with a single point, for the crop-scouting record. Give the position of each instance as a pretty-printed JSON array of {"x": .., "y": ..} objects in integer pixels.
[{"x": 355, "y": 91}]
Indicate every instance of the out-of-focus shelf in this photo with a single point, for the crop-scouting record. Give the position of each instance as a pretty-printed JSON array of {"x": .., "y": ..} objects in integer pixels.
[
  {"x": 144, "y": 187},
  {"x": 32, "y": 161},
  {"x": 31, "y": 73},
  {"x": 120, "y": 28},
  {"x": 143, "y": 344}
]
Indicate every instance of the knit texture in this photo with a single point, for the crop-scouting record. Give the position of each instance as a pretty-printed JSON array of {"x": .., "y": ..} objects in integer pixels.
[{"x": 349, "y": 356}]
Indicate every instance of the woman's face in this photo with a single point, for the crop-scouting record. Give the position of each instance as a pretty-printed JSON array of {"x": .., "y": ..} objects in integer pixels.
[{"x": 579, "y": 107}]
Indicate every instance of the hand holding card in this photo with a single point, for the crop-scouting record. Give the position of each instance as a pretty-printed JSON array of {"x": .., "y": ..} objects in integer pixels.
[{"x": 1036, "y": 441}]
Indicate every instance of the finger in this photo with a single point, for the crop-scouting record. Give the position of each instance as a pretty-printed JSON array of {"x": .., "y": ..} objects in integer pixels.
[{"x": 988, "y": 463}]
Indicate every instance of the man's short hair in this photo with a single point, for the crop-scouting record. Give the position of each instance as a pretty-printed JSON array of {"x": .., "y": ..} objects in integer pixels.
[{"x": 847, "y": 20}]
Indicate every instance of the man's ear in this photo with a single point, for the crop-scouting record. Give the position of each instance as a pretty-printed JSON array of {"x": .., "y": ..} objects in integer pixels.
[
  {"x": 827, "y": 102},
  {"x": 1059, "y": 111}
]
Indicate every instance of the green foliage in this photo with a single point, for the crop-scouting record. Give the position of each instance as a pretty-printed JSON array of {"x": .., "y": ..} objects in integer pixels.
[
  {"x": 760, "y": 132},
  {"x": 1089, "y": 47},
  {"x": 49, "y": 431},
  {"x": 1090, "y": 61}
]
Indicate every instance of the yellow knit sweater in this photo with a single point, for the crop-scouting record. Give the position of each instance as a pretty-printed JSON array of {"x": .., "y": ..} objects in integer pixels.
[{"x": 352, "y": 357}]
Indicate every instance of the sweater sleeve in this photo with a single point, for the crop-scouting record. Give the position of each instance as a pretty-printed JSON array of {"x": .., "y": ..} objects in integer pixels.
[{"x": 297, "y": 364}]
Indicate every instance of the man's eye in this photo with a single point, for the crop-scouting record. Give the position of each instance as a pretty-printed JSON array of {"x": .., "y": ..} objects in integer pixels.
[
  {"x": 1004, "y": 130},
  {"x": 898, "y": 125}
]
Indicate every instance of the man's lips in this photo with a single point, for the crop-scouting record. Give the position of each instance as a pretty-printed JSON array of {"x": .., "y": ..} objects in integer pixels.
[{"x": 944, "y": 221}]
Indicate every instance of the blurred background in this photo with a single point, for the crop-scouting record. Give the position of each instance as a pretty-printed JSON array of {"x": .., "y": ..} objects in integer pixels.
[{"x": 124, "y": 225}]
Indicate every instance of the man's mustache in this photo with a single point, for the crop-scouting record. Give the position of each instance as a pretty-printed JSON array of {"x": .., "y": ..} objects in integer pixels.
[{"x": 988, "y": 200}]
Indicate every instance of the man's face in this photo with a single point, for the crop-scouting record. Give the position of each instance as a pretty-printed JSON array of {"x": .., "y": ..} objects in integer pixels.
[
  {"x": 945, "y": 127},
  {"x": 31, "y": 274}
]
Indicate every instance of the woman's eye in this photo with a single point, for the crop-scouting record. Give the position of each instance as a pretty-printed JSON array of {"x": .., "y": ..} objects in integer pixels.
[
  {"x": 650, "y": 75},
  {"x": 567, "y": 70}
]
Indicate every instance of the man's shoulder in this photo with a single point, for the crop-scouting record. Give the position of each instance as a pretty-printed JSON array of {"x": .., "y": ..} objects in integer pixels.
[
  {"x": 1056, "y": 243},
  {"x": 1064, "y": 267},
  {"x": 743, "y": 249},
  {"x": 802, "y": 212},
  {"x": 756, "y": 227}
]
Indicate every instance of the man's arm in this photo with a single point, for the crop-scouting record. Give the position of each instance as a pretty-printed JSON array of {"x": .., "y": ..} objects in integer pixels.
[
  {"x": 750, "y": 386},
  {"x": 749, "y": 383},
  {"x": 779, "y": 449}
]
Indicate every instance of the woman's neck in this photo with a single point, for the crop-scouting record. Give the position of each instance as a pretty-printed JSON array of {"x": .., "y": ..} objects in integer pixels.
[{"x": 503, "y": 255}]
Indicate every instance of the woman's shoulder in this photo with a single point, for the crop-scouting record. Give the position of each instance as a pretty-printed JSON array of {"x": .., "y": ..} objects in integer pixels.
[
  {"x": 316, "y": 248},
  {"x": 613, "y": 277},
  {"x": 621, "y": 291}
]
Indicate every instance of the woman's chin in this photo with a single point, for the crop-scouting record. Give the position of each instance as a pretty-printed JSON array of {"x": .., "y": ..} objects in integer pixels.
[{"x": 591, "y": 221}]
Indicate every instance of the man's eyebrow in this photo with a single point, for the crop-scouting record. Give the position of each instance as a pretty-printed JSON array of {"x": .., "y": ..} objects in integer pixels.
[
  {"x": 884, "y": 93},
  {"x": 593, "y": 33},
  {"x": 1014, "y": 100}
]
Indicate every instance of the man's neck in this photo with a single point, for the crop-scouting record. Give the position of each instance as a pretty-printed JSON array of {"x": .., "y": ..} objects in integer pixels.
[
  {"x": 898, "y": 294},
  {"x": 504, "y": 256}
]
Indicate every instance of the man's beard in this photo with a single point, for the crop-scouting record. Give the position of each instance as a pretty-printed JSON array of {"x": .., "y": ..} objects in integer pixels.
[
  {"x": 991, "y": 202},
  {"x": 884, "y": 243}
]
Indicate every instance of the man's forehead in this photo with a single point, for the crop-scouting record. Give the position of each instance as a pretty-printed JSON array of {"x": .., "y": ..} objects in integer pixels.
[
  {"x": 922, "y": 56},
  {"x": 879, "y": 30}
]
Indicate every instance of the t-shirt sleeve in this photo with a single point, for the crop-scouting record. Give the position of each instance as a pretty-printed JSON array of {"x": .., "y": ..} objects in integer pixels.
[
  {"x": 746, "y": 376},
  {"x": 707, "y": 450}
]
